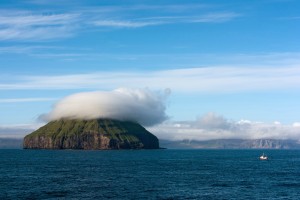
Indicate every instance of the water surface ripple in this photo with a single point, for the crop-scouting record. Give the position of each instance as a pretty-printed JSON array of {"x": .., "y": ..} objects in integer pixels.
[{"x": 149, "y": 174}]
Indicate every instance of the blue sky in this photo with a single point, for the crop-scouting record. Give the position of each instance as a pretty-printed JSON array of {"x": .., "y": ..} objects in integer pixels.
[{"x": 237, "y": 59}]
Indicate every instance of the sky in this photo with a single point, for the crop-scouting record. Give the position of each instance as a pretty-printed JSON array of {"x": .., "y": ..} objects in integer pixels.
[{"x": 207, "y": 69}]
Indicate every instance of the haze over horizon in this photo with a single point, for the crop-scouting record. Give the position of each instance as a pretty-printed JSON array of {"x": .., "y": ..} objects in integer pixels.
[{"x": 198, "y": 70}]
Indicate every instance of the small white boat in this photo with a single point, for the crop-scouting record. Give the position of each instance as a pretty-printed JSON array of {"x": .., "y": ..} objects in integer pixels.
[{"x": 263, "y": 157}]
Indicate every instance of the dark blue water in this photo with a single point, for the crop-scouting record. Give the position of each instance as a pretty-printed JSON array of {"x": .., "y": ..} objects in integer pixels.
[{"x": 149, "y": 174}]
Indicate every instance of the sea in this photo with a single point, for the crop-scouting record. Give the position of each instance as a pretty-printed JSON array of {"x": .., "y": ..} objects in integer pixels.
[{"x": 149, "y": 174}]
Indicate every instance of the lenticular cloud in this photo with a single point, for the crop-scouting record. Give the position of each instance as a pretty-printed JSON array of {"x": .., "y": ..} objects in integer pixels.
[{"x": 139, "y": 105}]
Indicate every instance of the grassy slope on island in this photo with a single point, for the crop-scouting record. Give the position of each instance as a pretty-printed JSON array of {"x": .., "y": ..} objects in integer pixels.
[{"x": 119, "y": 131}]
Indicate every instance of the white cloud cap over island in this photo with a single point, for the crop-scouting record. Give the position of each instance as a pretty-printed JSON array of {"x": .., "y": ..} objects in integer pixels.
[{"x": 140, "y": 105}]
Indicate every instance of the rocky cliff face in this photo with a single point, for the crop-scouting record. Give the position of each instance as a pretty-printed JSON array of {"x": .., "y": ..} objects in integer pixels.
[
  {"x": 91, "y": 134},
  {"x": 271, "y": 144}
]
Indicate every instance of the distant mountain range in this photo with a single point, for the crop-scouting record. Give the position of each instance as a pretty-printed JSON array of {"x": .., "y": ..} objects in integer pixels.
[
  {"x": 12, "y": 143},
  {"x": 231, "y": 144}
]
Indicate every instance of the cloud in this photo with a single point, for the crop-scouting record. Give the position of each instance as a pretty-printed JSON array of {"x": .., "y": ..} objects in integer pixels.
[
  {"x": 206, "y": 80},
  {"x": 139, "y": 105},
  {"x": 211, "y": 121},
  {"x": 126, "y": 23},
  {"x": 160, "y": 20},
  {"x": 217, "y": 17},
  {"x": 212, "y": 126},
  {"x": 20, "y": 25},
  {"x": 153, "y": 15},
  {"x": 16, "y": 100},
  {"x": 35, "y": 20},
  {"x": 38, "y": 25},
  {"x": 296, "y": 124}
]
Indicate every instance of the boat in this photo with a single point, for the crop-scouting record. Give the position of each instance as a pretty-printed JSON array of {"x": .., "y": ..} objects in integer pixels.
[{"x": 263, "y": 157}]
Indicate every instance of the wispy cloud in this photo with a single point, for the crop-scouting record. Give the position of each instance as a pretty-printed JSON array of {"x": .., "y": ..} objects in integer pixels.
[
  {"x": 206, "y": 79},
  {"x": 126, "y": 23},
  {"x": 18, "y": 20},
  {"x": 215, "y": 17},
  {"x": 15, "y": 49},
  {"x": 212, "y": 126},
  {"x": 18, "y": 25},
  {"x": 34, "y": 25},
  {"x": 19, "y": 100},
  {"x": 160, "y": 20},
  {"x": 29, "y": 49}
]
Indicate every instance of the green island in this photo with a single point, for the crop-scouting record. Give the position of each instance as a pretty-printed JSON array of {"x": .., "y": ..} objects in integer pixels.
[{"x": 95, "y": 134}]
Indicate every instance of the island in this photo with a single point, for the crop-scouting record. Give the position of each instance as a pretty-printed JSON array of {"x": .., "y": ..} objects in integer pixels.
[{"x": 95, "y": 134}]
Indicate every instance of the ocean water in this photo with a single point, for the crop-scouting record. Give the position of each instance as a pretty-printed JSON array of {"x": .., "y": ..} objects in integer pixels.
[{"x": 149, "y": 174}]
